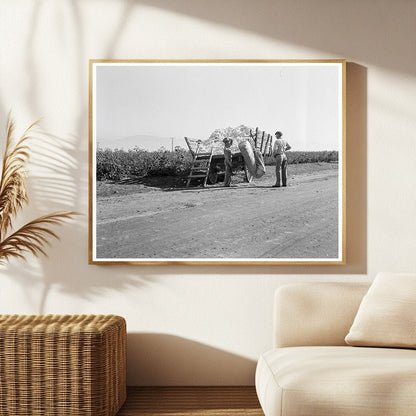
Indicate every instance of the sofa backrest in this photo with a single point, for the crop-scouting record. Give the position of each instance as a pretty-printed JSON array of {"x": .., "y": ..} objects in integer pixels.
[{"x": 315, "y": 313}]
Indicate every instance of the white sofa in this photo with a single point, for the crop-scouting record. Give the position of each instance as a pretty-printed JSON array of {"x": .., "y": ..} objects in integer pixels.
[{"x": 312, "y": 371}]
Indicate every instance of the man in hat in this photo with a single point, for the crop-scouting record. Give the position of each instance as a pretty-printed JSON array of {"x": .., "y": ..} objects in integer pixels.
[
  {"x": 279, "y": 152},
  {"x": 228, "y": 158}
]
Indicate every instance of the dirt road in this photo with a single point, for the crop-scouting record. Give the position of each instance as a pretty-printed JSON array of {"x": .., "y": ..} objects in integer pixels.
[{"x": 250, "y": 221}]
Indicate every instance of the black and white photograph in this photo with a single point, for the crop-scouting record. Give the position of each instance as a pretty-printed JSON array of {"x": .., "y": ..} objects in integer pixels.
[{"x": 217, "y": 162}]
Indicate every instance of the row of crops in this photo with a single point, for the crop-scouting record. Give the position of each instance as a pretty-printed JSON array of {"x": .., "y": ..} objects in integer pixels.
[{"x": 118, "y": 164}]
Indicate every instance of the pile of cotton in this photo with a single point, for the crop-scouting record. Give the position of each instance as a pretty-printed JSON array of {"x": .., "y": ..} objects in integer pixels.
[{"x": 238, "y": 134}]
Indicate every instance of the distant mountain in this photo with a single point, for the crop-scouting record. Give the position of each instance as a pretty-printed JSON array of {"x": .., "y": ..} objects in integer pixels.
[{"x": 144, "y": 142}]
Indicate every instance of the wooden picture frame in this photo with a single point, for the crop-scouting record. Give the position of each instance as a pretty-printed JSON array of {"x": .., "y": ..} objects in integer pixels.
[{"x": 153, "y": 123}]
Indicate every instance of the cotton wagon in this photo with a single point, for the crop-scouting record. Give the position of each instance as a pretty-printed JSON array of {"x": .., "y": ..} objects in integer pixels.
[{"x": 208, "y": 158}]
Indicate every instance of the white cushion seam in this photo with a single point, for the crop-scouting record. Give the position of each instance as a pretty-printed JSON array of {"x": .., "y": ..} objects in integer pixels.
[
  {"x": 277, "y": 383},
  {"x": 262, "y": 356}
]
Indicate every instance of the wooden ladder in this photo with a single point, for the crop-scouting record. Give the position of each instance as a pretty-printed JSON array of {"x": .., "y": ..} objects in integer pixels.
[{"x": 200, "y": 166}]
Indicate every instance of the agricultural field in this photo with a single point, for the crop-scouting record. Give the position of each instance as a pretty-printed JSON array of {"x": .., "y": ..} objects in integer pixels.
[
  {"x": 121, "y": 164},
  {"x": 118, "y": 164}
]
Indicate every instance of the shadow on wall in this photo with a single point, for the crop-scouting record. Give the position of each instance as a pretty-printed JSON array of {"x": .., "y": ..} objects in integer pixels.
[
  {"x": 59, "y": 181},
  {"x": 62, "y": 181},
  {"x": 356, "y": 167},
  {"x": 53, "y": 186},
  {"x": 168, "y": 360},
  {"x": 371, "y": 32},
  {"x": 37, "y": 286}
]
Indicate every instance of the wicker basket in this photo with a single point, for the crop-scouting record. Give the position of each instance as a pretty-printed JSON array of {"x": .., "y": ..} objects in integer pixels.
[{"x": 71, "y": 365}]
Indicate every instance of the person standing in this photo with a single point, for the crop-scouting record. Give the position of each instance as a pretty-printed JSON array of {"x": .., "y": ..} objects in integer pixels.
[
  {"x": 279, "y": 152},
  {"x": 228, "y": 158}
]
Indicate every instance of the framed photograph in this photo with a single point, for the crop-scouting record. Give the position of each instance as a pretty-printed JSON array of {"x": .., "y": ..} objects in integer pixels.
[{"x": 217, "y": 162}]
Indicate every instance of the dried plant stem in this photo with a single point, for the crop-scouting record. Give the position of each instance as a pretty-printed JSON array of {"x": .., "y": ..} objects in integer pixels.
[{"x": 34, "y": 236}]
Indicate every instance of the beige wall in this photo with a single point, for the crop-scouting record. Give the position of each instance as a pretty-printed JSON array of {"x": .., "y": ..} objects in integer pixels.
[{"x": 204, "y": 325}]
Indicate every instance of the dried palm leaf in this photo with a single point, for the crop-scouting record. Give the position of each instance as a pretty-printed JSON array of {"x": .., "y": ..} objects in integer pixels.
[
  {"x": 32, "y": 237},
  {"x": 13, "y": 175}
]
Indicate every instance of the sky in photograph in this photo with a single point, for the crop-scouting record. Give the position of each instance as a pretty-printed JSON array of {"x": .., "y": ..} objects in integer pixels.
[{"x": 150, "y": 106}]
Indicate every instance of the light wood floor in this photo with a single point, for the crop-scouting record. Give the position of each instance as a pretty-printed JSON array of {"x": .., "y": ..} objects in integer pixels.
[{"x": 187, "y": 401}]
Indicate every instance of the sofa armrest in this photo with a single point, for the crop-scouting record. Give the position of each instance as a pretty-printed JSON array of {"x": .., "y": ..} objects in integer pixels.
[{"x": 315, "y": 313}]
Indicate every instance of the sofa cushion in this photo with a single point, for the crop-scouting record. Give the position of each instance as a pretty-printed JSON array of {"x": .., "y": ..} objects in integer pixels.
[
  {"x": 386, "y": 316},
  {"x": 342, "y": 380},
  {"x": 315, "y": 313}
]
